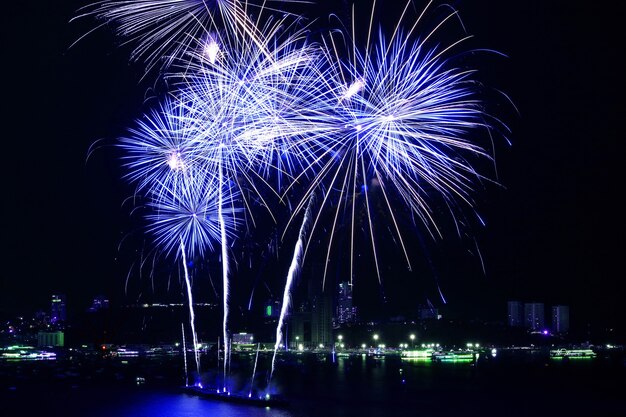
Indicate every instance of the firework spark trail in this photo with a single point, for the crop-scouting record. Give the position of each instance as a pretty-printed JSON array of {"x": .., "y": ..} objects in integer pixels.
[
  {"x": 247, "y": 98},
  {"x": 294, "y": 269},
  {"x": 256, "y": 359},
  {"x": 189, "y": 208},
  {"x": 254, "y": 98},
  {"x": 182, "y": 328},
  {"x": 225, "y": 278},
  {"x": 162, "y": 31},
  {"x": 192, "y": 316}
]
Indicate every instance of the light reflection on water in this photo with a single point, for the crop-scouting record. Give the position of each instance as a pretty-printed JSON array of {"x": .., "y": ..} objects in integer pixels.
[
  {"x": 356, "y": 386},
  {"x": 169, "y": 404}
]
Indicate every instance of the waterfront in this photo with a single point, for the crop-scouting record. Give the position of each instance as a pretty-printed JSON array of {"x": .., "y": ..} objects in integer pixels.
[{"x": 513, "y": 383}]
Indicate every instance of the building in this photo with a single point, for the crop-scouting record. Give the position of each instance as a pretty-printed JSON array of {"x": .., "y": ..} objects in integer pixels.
[
  {"x": 271, "y": 309},
  {"x": 534, "y": 316},
  {"x": 243, "y": 338},
  {"x": 515, "y": 313},
  {"x": 299, "y": 334},
  {"x": 311, "y": 323},
  {"x": 50, "y": 339},
  {"x": 99, "y": 303},
  {"x": 346, "y": 311},
  {"x": 57, "y": 309},
  {"x": 243, "y": 341},
  {"x": 428, "y": 311},
  {"x": 560, "y": 319},
  {"x": 322, "y": 320}
]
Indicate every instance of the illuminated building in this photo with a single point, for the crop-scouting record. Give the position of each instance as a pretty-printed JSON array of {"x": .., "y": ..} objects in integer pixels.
[
  {"x": 534, "y": 316},
  {"x": 311, "y": 323},
  {"x": 243, "y": 338},
  {"x": 99, "y": 303},
  {"x": 560, "y": 319},
  {"x": 515, "y": 313},
  {"x": 322, "y": 320},
  {"x": 57, "y": 310},
  {"x": 300, "y": 329},
  {"x": 51, "y": 339},
  {"x": 271, "y": 309},
  {"x": 346, "y": 312}
]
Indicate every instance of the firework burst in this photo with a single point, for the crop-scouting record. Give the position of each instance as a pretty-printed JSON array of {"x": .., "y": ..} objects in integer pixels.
[{"x": 403, "y": 124}]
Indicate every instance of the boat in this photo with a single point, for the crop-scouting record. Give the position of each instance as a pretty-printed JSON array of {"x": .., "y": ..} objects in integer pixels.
[
  {"x": 455, "y": 356},
  {"x": 266, "y": 400},
  {"x": 563, "y": 353}
]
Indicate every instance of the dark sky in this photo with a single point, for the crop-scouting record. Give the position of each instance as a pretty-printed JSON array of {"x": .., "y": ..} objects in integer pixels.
[{"x": 554, "y": 230}]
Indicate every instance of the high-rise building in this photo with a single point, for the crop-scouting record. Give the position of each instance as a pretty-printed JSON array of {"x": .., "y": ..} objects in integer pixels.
[
  {"x": 515, "y": 313},
  {"x": 560, "y": 319},
  {"x": 57, "y": 309},
  {"x": 346, "y": 312},
  {"x": 50, "y": 339},
  {"x": 300, "y": 330},
  {"x": 322, "y": 320},
  {"x": 534, "y": 314}
]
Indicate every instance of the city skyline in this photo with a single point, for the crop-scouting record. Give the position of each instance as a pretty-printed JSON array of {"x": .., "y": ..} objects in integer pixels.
[{"x": 552, "y": 230}]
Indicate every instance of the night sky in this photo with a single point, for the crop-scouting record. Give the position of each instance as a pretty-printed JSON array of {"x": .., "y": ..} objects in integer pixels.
[{"x": 554, "y": 228}]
